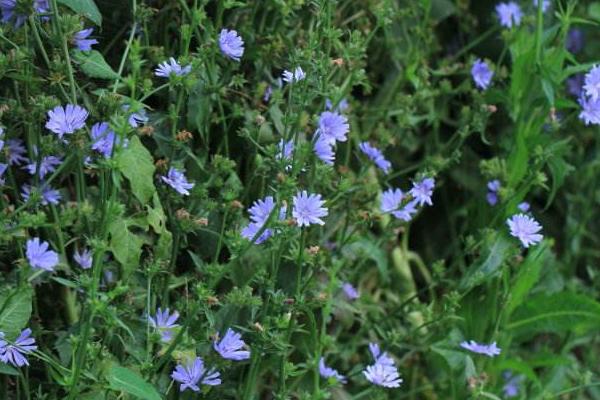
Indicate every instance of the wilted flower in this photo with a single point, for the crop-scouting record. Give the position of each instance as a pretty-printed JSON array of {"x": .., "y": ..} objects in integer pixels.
[
  {"x": 376, "y": 156},
  {"x": 230, "y": 346},
  {"x": 327, "y": 372},
  {"x": 332, "y": 127},
  {"x": 350, "y": 291},
  {"x": 325, "y": 150},
  {"x": 295, "y": 76},
  {"x": 482, "y": 74},
  {"x": 384, "y": 372},
  {"x": 16, "y": 149},
  {"x": 231, "y": 44},
  {"x": 525, "y": 228},
  {"x": 308, "y": 209},
  {"x": 49, "y": 195},
  {"x": 39, "y": 256},
  {"x": 171, "y": 67},
  {"x": 177, "y": 180},
  {"x": 285, "y": 150},
  {"x": 66, "y": 120},
  {"x": 509, "y": 14},
  {"x": 592, "y": 83},
  {"x": 10, "y": 12},
  {"x": 193, "y": 374},
  {"x": 423, "y": 190},
  {"x": 489, "y": 350},
  {"x": 81, "y": 39},
  {"x": 15, "y": 353},
  {"x": 84, "y": 259},
  {"x": 267, "y": 94},
  {"x": 164, "y": 323}
]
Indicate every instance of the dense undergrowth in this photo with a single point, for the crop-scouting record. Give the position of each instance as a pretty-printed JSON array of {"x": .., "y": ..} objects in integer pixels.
[{"x": 294, "y": 199}]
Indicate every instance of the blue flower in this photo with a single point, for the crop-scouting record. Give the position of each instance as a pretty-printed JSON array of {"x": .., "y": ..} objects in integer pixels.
[
  {"x": 84, "y": 259},
  {"x": 545, "y": 4},
  {"x": 9, "y": 12},
  {"x": 259, "y": 214},
  {"x": 490, "y": 350},
  {"x": 230, "y": 346},
  {"x": 390, "y": 200},
  {"x": 66, "y": 120},
  {"x": 267, "y": 94},
  {"x": 592, "y": 83},
  {"x": 332, "y": 127},
  {"x": 103, "y": 139},
  {"x": 231, "y": 44},
  {"x": 407, "y": 212},
  {"x": 575, "y": 40},
  {"x": 308, "y": 209},
  {"x": 525, "y": 228},
  {"x": 16, "y": 149},
  {"x": 3, "y": 168},
  {"x": 376, "y": 156},
  {"x": 48, "y": 164},
  {"x": 524, "y": 206},
  {"x": 81, "y": 40},
  {"x": 327, "y": 372},
  {"x": 286, "y": 150},
  {"x": 325, "y": 150},
  {"x": 164, "y": 323},
  {"x": 482, "y": 74},
  {"x": 171, "y": 67},
  {"x": 341, "y": 107},
  {"x": 15, "y": 353},
  {"x": 177, "y": 180},
  {"x": 136, "y": 118},
  {"x": 384, "y": 372},
  {"x": 590, "y": 111},
  {"x": 296, "y": 76},
  {"x": 350, "y": 291},
  {"x": 193, "y": 374},
  {"x": 423, "y": 190},
  {"x": 509, "y": 14},
  {"x": 49, "y": 195},
  {"x": 493, "y": 188},
  {"x": 39, "y": 256},
  {"x": 575, "y": 85},
  {"x": 512, "y": 384}
]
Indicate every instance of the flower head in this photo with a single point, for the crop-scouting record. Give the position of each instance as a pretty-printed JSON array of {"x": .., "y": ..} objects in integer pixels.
[
  {"x": 545, "y": 4},
  {"x": 590, "y": 111},
  {"x": 171, "y": 67},
  {"x": 493, "y": 188},
  {"x": 81, "y": 39},
  {"x": 49, "y": 195},
  {"x": 66, "y": 120},
  {"x": 39, "y": 256},
  {"x": 525, "y": 228},
  {"x": 482, "y": 74},
  {"x": 84, "y": 259},
  {"x": 3, "y": 168},
  {"x": 407, "y": 212},
  {"x": 231, "y": 44},
  {"x": 341, "y": 106},
  {"x": 423, "y": 190},
  {"x": 104, "y": 139},
  {"x": 490, "y": 350},
  {"x": 591, "y": 84},
  {"x": 350, "y": 291},
  {"x": 48, "y": 164},
  {"x": 384, "y": 372},
  {"x": 308, "y": 209},
  {"x": 325, "y": 151},
  {"x": 230, "y": 346},
  {"x": 509, "y": 14},
  {"x": 10, "y": 12},
  {"x": 333, "y": 127},
  {"x": 177, "y": 180},
  {"x": 390, "y": 200},
  {"x": 15, "y": 353},
  {"x": 16, "y": 149},
  {"x": 327, "y": 372},
  {"x": 285, "y": 150},
  {"x": 524, "y": 206},
  {"x": 296, "y": 76},
  {"x": 376, "y": 156},
  {"x": 259, "y": 214},
  {"x": 164, "y": 323},
  {"x": 193, "y": 374},
  {"x": 512, "y": 384}
]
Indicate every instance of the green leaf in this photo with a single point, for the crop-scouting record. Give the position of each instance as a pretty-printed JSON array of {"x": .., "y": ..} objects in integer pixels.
[
  {"x": 594, "y": 10},
  {"x": 560, "y": 312},
  {"x": 125, "y": 245},
  {"x": 489, "y": 263},
  {"x": 128, "y": 381},
  {"x": 6, "y": 369},
  {"x": 136, "y": 163},
  {"x": 528, "y": 275},
  {"x": 15, "y": 311},
  {"x": 87, "y": 8},
  {"x": 442, "y": 9},
  {"x": 369, "y": 249},
  {"x": 92, "y": 64}
]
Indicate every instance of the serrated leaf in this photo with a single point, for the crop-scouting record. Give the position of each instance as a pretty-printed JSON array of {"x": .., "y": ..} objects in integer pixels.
[
  {"x": 87, "y": 8},
  {"x": 128, "y": 381},
  {"x": 92, "y": 64},
  {"x": 560, "y": 312},
  {"x": 15, "y": 312},
  {"x": 141, "y": 176}
]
